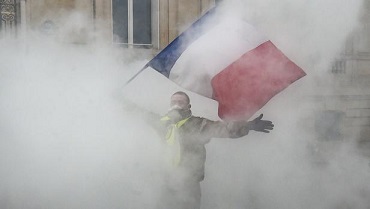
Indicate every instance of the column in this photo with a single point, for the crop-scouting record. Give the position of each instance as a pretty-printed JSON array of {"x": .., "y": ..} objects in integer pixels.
[{"x": 8, "y": 17}]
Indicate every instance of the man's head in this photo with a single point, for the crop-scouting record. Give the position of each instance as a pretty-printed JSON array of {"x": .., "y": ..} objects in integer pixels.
[{"x": 180, "y": 100}]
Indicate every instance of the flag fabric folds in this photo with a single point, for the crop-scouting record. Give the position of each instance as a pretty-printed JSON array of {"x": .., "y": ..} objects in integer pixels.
[{"x": 228, "y": 60}]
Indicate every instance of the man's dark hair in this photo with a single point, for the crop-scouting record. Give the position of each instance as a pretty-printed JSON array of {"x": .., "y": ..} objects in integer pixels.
[{"x": 184, "y": 94}]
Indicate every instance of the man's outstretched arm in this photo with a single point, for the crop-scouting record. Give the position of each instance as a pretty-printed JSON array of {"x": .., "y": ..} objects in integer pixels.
[{"x": 220, "y": 129}]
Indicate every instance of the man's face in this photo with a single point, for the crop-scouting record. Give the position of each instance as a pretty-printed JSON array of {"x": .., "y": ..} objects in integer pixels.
[{"x": 179, "y": 101}]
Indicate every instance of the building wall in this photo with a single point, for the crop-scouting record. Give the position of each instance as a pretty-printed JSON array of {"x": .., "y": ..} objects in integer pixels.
[
  {"x": 177, "y": 15},
  {"x": 169, "y": 17},
  {"x": 40, "y": 11},
  {"x": 351, "y": 95}
]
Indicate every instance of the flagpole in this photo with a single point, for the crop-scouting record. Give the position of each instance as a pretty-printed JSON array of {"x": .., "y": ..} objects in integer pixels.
[{"x": 133, "y": 77}]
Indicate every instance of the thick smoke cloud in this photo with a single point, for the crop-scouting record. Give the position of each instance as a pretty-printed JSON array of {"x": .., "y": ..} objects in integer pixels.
[
  {"x": 293, "y": 167},
  {"x": 69, "y": 139},
  {"x": 66, "y": 141}
]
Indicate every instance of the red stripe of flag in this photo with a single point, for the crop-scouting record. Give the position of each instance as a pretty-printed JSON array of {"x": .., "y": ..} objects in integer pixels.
[{"x": 247, "y": 84}]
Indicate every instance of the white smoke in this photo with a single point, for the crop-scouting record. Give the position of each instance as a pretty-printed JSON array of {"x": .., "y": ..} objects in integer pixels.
[
  {"x": 291, "y": 167},
  {"x": 68, "y": 139}
]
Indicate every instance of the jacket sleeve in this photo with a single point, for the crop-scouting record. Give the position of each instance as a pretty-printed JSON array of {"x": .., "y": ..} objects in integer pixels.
[{"x": 221, "y": 129}]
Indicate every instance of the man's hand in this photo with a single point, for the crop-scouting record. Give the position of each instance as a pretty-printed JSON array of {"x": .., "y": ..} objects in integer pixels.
[{"x": 260, "y": 125}]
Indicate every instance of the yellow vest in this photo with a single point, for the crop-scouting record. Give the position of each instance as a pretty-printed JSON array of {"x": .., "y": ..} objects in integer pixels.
[{"x": 172, "y": 140}]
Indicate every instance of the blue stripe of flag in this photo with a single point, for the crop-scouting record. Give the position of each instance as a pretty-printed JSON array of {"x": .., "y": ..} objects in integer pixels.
[{"x": 165, "y": 60}]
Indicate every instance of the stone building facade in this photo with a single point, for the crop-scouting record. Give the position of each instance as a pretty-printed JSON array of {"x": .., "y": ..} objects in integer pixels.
[
  {"x": 345, "y": 113},
  {"x": 138, "y": 23}
]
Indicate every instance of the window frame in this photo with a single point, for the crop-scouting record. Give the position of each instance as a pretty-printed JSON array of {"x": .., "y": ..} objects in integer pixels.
[{"x": 130, "y": 27}]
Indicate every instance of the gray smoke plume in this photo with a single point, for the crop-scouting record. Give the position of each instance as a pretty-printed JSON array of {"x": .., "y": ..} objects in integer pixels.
[{"x": 69, "y": 139}]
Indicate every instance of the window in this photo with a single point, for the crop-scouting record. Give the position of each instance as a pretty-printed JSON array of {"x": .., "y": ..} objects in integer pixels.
[
  {"x": 339, "y": 66},
  {"x": 132, "y": 22}
]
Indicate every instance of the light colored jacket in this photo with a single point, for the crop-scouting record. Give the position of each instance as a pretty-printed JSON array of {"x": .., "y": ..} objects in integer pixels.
[{"x": 191, "y": 134}]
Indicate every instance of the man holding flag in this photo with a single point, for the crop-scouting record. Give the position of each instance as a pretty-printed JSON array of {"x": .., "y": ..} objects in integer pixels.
[
  {"x": 186, "y": 136},
  {"x": 228, "y": 60}
]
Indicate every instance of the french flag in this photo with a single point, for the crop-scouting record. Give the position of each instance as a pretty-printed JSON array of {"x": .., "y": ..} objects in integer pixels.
[{"x": 228, "y": 60}]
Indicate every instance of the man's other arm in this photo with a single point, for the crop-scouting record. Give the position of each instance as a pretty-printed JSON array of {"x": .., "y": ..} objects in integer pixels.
[{"x": 221, "y": 129}]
